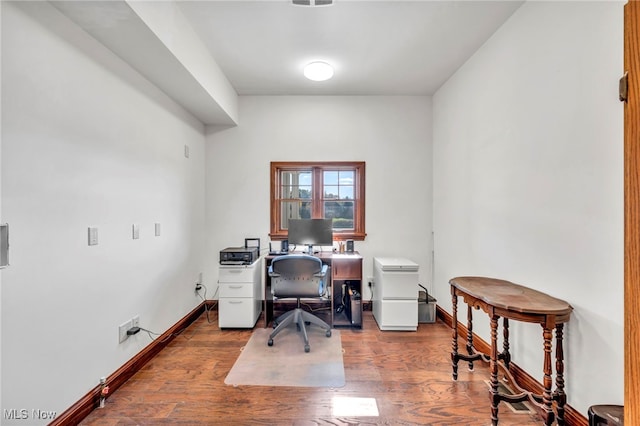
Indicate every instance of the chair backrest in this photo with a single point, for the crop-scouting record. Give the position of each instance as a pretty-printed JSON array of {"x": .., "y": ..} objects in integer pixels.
[{"x": 297, "y": 275}]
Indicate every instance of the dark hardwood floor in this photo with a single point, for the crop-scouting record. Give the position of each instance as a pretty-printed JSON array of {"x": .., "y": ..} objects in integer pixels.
[{"x": 408, "y": 374}]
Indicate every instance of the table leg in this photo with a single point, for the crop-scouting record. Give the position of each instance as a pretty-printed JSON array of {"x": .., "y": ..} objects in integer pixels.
[
  {"x": 470, "y": 334},
  {"x": 547, "y": 381},
  {"x": 506, "y": 356},
  {"x": 559, "y": 395},
  {"x": 454, "y": 332},
  {"x": 495, "y": 397}
]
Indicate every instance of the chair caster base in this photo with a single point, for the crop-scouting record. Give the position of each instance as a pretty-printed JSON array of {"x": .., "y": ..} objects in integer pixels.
[
  {"x": 270, "y": 342},
  {"x": 328, "y": 333},
  {"x": 307, "y": 348}
]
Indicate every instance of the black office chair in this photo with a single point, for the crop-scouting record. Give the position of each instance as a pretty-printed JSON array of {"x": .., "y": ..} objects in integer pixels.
[{"x": 298, "y": 276}]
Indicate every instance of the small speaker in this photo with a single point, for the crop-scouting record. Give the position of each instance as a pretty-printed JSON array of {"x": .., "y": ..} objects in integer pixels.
[
  {"x": 349, "y": 246},
  {"x": 284, "y": 246}
]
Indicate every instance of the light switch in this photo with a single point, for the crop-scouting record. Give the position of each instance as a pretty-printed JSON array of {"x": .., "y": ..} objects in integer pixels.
[
  {"x": 186, "y": 151},
  {"x": 93, "y": 236},
  {"x": 136, "y": 231},
  {"x": 157, "y": 229},
  {"x": 4, "y": 245}
]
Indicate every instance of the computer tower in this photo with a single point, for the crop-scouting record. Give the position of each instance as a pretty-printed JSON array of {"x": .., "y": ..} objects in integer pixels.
[{"x": 353, "y": 306}]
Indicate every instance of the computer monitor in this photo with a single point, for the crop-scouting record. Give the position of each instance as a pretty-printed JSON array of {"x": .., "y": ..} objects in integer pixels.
[{"x": 311, "y": 232}]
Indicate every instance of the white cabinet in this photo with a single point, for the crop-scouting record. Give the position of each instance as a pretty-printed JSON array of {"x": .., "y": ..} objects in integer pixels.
[
  {"x": 395, "y": 294},
  {"x": 239, "y": 300}
]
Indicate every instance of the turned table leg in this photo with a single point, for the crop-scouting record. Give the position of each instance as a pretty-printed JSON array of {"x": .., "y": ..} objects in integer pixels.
[
  {"x": 454, "y": 332},
  {"x": 559, "y": 395},
  {"x": 495, "y": 397},
  {"x": 506, "y": 355},
  {"x": 547, "y": 381},
  {"x": 470, "y": 334}
]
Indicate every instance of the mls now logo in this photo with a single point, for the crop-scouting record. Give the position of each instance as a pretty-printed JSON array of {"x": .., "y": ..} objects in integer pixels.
[
  {"x": 24, "y": 414},
  {"x": 15, "y": 414}
]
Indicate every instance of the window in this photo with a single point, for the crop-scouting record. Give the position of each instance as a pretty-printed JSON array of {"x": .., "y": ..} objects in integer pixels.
[{"x": 330, "y": 190}]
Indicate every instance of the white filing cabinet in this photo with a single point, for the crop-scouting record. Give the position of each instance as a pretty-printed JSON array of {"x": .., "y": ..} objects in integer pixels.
[
  {"x": 239, "y": 301},
  {"x": 395, "y": 294}
]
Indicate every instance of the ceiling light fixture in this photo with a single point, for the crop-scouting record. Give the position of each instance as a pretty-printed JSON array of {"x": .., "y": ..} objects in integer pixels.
[
  {"x": 312, "y": 2},
  {"x": 318, "y": 71}
]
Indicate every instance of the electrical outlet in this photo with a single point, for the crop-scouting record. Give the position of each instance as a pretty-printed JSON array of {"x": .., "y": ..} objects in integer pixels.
[
  {"x": 199, "y": 283},
  {"x": 122, "y": 330},
  {"x": 125, "y": 326}
]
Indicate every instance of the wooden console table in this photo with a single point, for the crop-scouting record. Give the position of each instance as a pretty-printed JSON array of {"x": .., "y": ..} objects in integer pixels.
[{"x": 499, "y": 298}]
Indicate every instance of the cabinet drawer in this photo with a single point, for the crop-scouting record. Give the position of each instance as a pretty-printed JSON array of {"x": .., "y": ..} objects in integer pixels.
[
  {"x": 237, "y": 313},
  {"x": 345, "y": 269},
  {"x": 398, "y": 315},
  {"x": 236, "y": 290},
  {"x": 237, "y": 274}
]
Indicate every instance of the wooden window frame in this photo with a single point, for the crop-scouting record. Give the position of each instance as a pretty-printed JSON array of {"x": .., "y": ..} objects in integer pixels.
[{"x": 357, "y": 233}]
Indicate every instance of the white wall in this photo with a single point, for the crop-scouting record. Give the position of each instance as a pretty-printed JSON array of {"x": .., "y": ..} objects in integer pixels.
[
  {"x": 528, "y": 181},
  {"x": 87, "y": 141},
  {"x": 391, "y": 134}
]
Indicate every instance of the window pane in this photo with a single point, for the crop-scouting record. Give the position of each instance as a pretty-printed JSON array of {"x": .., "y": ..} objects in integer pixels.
[
  {"x": 295, "y": 184},
  {"x": 287, "y": 177},
  {"x": 295, "y": 177},
  {"x": 304, "y": 210},
  {"x": 341, "y": 212},
  {"x": 287, "y": 209},
  {"x": 346, "y": 193},
  {"x": 289, "y": 192},
  {"x": 304, "y": 178},
  {"x": 286, "y": 192},
  {"x": 294, "y": 210},
  {"x": 331, "y": 192},
  {"x": 330, "y": 178},
  {"x": 303, "y": 192},
  {"x": 347, "y": 177}
]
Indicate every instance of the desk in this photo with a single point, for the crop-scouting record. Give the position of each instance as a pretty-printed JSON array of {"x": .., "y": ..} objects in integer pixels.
[
  {"x": 343, "y": 269},
  {"x": 499, "y": 298}
]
